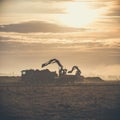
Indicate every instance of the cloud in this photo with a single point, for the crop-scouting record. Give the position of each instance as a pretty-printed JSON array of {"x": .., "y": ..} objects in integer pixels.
[
  {"x": 59, "y": 0},
  {"x": 66, "y": 42},
  {"x": 4, "y": 38},
  {"x": 31, "y": 7},
  {"x": 36, "y": 26},
  {"x": 114, "y": 9},
  {"x": 82, "y": 38},
  {"x": 72, "y": 40},
  {"x": 37, "y": 0}
]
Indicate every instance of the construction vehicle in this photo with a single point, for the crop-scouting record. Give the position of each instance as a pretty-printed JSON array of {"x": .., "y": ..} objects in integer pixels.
[
  {"x": 62, "y": 71},
  {"x": 78, "y": 72},
  {"x": 77, "y": 75},
  {"x": 47, "y": 76},
  {"x": 42, "y": 76}
]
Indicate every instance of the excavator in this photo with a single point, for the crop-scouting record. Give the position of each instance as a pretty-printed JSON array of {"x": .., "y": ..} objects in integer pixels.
[
  {"x": 78, "y": 72},
  {"x": 62, "y": 71},
  {"x": 45, "y": 76}
]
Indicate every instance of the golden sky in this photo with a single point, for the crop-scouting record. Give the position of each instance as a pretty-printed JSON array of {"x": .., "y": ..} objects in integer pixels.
[{"x": 77, "y": 32}]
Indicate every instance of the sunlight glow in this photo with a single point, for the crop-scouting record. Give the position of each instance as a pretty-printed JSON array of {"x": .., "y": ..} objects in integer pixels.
[{"x": 79, "y": 14}]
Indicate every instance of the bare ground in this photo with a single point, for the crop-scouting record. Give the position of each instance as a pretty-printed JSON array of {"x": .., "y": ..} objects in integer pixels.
[{"x": 19, "y": 101}]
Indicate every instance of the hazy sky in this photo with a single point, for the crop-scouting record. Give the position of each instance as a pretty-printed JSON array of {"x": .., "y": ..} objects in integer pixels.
[{"x": 77, "y": 32}]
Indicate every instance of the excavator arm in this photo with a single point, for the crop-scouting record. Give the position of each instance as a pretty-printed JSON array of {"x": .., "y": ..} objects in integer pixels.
[
  {"x": 78, "y": 72},
  {"x": 61, "y": 70},
  {"x": 51, "y": 62}
]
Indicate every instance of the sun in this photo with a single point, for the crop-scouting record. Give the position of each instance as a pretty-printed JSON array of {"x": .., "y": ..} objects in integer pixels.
[{"x": 79, "y": 14}]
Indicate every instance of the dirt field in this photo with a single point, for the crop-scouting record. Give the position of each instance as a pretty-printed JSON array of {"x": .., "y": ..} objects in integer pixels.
[{"x": 59, "y": 102}]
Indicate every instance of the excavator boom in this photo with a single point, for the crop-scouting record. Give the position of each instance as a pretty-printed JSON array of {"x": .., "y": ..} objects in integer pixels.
[
  {"x": 53, "y": 61},
  {"x": 73, "y": 68},
  {"x": 61, "y": 70}
]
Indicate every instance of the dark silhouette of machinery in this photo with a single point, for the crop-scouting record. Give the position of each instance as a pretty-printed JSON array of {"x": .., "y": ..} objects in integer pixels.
[
  {"x": 43, "y": 76},
  {"x": 78, "y": 72},
  {"x": 62, "y": 71},
  {"x": 77, "y": 75},
  {"x": 46, "y": 76}
]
